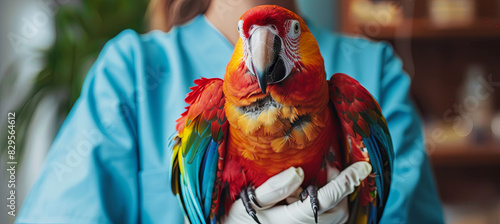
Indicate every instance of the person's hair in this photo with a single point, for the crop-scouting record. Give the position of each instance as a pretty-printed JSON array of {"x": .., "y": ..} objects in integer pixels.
[{"x": 163, "y": 14}]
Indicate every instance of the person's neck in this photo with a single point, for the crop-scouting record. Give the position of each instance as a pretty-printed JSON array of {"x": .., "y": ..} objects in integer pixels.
[{"x": 224, "y": 14}]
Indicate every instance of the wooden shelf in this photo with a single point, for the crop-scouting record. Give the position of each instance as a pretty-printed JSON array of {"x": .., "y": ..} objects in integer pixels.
[
  {"x": 417, "y": 23},
  {"x": 424, "y": 28},
  {"x": 466, "y": 155}
]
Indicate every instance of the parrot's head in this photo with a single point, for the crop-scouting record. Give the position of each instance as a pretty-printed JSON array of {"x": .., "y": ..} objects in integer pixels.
[{"x": 276, "y": 55}]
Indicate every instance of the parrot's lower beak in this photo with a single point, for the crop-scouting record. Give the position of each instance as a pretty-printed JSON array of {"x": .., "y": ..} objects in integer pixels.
[{"x": 265, "y": 48}]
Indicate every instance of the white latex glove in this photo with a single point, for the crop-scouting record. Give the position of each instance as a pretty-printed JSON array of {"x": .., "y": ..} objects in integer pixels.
[{"x": 286, "y": 185}]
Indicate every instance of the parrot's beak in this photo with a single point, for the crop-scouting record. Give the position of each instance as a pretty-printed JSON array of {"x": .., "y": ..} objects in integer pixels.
[{"x": 265, "y": 48}]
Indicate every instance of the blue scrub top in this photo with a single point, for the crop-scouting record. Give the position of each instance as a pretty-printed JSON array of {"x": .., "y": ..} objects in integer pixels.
[{"x": 110, "y": 164}]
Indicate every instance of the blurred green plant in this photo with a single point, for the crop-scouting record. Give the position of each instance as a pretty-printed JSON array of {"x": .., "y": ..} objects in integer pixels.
[{"x": 81, "y": 30}]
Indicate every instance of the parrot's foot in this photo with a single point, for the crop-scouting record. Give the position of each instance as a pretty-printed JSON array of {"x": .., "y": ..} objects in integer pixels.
[
  {"x": 312, "y": 192},
  {"x": 247, "y": 195}
]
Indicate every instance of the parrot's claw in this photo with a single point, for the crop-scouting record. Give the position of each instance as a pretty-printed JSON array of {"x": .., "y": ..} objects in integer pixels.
[
  {"x": 246, "y": 195},
  {"x": 303, "y": 195},
  {"x": 311, "y": 191},
  {"x": 251, "y": 195}
]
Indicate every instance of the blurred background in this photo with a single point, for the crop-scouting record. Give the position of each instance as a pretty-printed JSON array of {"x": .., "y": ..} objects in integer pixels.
[{"x": 450, "y": 48}]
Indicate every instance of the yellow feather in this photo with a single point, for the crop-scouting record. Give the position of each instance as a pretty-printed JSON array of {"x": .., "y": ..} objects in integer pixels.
[
  {"x": 277, "y": 127},
  {"x": 188, "y": 130},
  {"x": 285, "y": 112},
  {"x": 281, "y": 144},
  {"x": 288, "y": 112},
  {"x": 299, "y": 137},
  {"x": 232, "y": 113},
  {"x": 249, "y": 155},
  {"x": 179, "y": 157},
  {"x": 248, "y": 124},
  {"x": 310, "y": 130},
  {"x": 294, "y": 114},
  {"x": 269, "y": 116}
]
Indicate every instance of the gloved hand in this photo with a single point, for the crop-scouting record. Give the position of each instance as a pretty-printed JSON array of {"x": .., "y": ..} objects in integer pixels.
[{"x": 286, "y": 185}]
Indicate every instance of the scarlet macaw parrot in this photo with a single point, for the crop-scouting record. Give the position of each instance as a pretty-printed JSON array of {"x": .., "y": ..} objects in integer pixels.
[{"x": 273, "y": 110}]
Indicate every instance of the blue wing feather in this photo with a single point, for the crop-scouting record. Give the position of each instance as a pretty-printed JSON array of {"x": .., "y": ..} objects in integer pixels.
[
  {"x": 376, "y": 144},
  {"x": 209, "y": 169},
  {"x": 191, "y": 180},
  {"x": 372, "y": 214},
  {"x": 197, "y": 176}
]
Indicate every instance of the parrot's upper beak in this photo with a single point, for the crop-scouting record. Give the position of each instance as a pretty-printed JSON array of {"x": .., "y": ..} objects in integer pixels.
[{"x": 265, "y": 48}]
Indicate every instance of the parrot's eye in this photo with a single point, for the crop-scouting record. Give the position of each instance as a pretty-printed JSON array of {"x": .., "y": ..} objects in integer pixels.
[{"x": 294, "y": 29}]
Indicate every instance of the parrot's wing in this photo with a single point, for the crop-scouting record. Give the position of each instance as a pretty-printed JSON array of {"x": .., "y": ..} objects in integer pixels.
[
  {"x": 366, "y": 138},
  {"x": 198, "y": 151}
]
